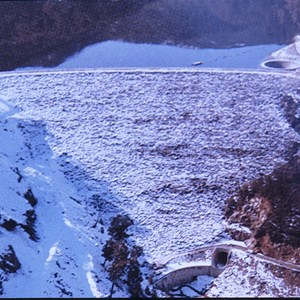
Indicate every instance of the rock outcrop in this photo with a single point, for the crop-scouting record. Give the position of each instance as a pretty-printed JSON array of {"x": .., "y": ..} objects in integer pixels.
[{"x": 270, "y": 205}]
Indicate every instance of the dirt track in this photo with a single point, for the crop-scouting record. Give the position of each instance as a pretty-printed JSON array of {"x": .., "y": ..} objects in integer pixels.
[{"x": 160, "y": 263}]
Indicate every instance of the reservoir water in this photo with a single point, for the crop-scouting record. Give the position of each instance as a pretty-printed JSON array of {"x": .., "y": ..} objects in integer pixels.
[{"x": 119, "y": 54}]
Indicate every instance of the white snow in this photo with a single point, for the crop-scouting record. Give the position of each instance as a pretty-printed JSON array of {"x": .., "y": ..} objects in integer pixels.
[
  {"x": 73, "y": 137},
  {"x": 52, "y": 252},
  {"x": 55, "y": 265},
  {"x": 89, "y": 267}
]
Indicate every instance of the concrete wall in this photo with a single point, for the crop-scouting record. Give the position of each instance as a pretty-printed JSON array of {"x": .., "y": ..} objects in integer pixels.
[
  {"x": 219, "y": 261},
  {"x": 182, "y": 276}
]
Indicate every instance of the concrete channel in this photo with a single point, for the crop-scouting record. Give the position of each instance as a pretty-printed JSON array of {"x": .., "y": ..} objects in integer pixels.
[
  {"x": 213, "y": 268},
  {"x": 219, "y": 257}
]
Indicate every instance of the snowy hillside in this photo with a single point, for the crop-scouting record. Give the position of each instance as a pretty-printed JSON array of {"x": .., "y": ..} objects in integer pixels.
[
  {"x": 166, "y": 148},
  {"x": 59, "y": 245},
  {"x": 48, "y": 234}
]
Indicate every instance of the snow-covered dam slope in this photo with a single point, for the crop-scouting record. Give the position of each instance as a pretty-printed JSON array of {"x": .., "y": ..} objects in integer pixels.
[{"x": 167, "y": 147}]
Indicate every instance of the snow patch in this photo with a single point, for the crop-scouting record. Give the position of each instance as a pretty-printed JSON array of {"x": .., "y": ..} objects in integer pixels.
[
  {"x": 29, "y": 171},
  {"x": 53, "y": 250},
  {"x": 68, "y": 223},
  {"x": 7, "y": 109},
  {"x": 89, "y": 267}
]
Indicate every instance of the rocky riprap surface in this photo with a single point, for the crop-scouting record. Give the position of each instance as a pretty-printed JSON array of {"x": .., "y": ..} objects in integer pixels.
[{"x": 169, "y": 147}]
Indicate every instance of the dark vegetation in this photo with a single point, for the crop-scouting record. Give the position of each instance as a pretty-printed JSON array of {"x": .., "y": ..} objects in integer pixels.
[
  {"x": 9, "y": 262},
  {"x": 281, "y": 191},
  {"x": 29, "y": 227},
  {"x": 123, "y": 259},
  {"x": 291, "y": 109},
  {"x": 30, "y": 197},
  {"x": 45, "y": 33},
  {"x": 274, "y": 217}
]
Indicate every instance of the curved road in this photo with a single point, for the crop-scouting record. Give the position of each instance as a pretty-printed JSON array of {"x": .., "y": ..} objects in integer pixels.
[{"x": 289, "y": 265}]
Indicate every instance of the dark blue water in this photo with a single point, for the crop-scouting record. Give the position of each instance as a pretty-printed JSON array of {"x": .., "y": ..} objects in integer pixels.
[{"x": 118, "y": 54}]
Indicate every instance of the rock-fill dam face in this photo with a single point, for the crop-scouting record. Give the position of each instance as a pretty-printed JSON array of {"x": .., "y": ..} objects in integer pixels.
[{"x": 167, "y": 147}]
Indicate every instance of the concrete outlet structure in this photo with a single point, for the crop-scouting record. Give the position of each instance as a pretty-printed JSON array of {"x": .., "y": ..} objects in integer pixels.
[
  {"x": 287, "y": 58},
  {"x": 184, "y": 275}
]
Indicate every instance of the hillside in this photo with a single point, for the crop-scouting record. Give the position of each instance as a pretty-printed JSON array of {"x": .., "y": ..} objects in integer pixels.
[{"x": 45, "y": 33}]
